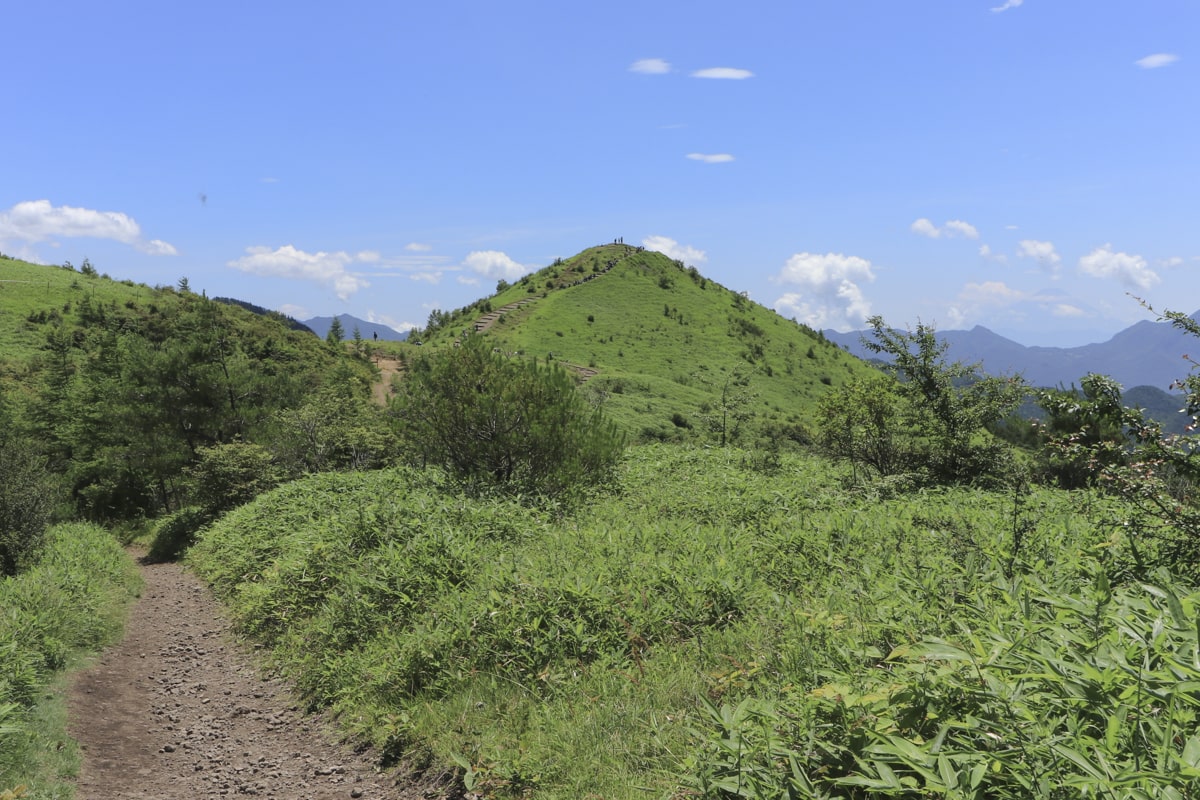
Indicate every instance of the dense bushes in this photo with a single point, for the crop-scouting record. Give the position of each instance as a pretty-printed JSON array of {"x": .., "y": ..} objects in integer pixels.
[
  {"x": 495, "y": 422},
  {"x": 1057, "y": 689},
  {"x": 27, "y": 496},
  {"x": 932, "y": 421},
  {"x": 572, "y": 648}
]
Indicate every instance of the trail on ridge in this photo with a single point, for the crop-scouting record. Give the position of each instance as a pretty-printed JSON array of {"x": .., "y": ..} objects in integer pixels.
[{"x": 179, "y": 710}]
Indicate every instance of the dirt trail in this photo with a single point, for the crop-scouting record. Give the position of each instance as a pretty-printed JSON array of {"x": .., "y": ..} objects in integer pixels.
[{"x": 178, "y": 710}]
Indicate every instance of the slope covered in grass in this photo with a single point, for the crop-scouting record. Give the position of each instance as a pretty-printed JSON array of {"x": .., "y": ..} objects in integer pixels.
[
  {"x": 33, "y": 295},
  {"x": 671, "y": 353},
  {"x": 561, "y": 655}
]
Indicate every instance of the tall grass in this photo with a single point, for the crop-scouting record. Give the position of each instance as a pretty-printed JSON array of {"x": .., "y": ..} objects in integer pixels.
[
  {"x": 69, "y": 603},
  {"x": 560, "y": 654}
]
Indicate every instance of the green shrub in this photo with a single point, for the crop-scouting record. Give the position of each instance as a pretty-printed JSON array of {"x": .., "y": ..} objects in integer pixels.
[
  {"x": 176, "y": 532},
  {"x": 27, "y": 496},
  {"x": 226, "y": 475},
  {"x": 492, "y": 422}
]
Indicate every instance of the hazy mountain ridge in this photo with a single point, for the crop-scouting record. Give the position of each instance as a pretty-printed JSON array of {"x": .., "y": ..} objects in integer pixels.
[
  {"x": 1144, "y": 354},
  {"x": 320, "y": 326}
]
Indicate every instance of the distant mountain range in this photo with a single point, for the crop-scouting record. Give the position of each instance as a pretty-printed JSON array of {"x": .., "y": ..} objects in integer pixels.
[
  {"x": 1144, "y": 354},
  {"x": 368, "y": 330}
]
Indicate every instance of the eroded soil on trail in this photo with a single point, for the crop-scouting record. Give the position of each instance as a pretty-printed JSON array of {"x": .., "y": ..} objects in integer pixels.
[{"x": 179, "y": 710}]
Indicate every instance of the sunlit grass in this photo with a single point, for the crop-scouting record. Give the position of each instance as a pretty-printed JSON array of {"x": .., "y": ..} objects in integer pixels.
[{"x": 556, "y": 654}]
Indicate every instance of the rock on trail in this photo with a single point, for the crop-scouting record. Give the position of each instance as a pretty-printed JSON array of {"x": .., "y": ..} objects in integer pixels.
[{"x": 179, "y": 710}]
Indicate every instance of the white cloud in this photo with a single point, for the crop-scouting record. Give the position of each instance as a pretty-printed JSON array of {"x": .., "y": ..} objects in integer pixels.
[
  {"x": 418, "y": 247},
  {"x": 952, "y": 228},
  {"x": 382, "y": 319},
  {"x": 1131, "y": 270},
  {"x": 430, "y": 277},
  {"x": 294, "y": 311},
  {"x": 674, "y": 250},
  {"x": 925, "y": 228},
  {"x": 289, "y": 262},
  {"x": 711, "y": 158},
  {"x": 1067, "y": 310},
  {"x": 976, "y": 299},
  {"x": 494, "y": 264},
  {"x": 467, "y": 280},
  {"x": 985, "y": 251},
  {"x": 650, "y": 66},
  {"x": 1007, "y": 5},
  {"x": 157, "y": 247},
  {"x": 831, "y": 296},
  {"x": 1157, "y": 60},
  {"x": 38, "y": 221},
  {"x": 723, "y": 73},
  {"x": 368, "y": 256},
  {"x": 990, "y": 293},
  {"x": 1041, "y": 252},
  {"x": 1171, "y": 263},
  {"x": 956, "y": 227}
]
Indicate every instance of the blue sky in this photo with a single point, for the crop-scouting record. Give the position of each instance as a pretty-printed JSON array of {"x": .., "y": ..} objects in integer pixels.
[{"x": 1020, "y": 164}]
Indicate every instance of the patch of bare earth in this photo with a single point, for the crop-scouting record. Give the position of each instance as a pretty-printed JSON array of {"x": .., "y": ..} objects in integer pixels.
[
  {"x": 389, "y": 368},
  {"x": 179, "y": 709}
]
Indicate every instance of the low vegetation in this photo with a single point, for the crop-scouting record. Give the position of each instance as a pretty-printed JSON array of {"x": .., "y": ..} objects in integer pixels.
[
  {"x": 558, "y": 655},
  {"x": 67, "y": 602}
]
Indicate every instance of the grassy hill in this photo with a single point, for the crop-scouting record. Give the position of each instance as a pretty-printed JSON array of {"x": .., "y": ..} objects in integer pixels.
[
  {"x": 35, "y": 298},
  {"x": 32, "y": 295},
  {"x": 664, "y": 348}
]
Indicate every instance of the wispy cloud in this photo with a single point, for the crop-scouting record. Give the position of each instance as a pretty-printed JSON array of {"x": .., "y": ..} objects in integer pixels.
[
  {"x": 831, "y": 296},
  {"x": 1007, "y": 5},
  {"x": 952, "y": 228},
  {"x": 1067, "y": 310},
  {"x": 1041, "y": 252},
  {"x": 723, "y": 73},
  {"x": 711, "y": 158},
  {"x": 1157, "y": 60},
  {"x": 383, "y": 319},
  {"x": 1131, "y": 270},
  {"x": 975, "y": 299},
  {"x": 674, "y": 250},
  {"x": 985, "y": 252},
  {"x": 295, "y": 264},
  {"x": 650, "y": 66},
  {"x": 38, "y": 221}
]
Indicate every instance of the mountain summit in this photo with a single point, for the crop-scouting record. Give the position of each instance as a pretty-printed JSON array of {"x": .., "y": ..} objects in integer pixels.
[{"x": 669, "y": 352}]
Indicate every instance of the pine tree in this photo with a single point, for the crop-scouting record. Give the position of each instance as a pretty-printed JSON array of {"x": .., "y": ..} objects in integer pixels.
[{"x": 336, "y": 333}]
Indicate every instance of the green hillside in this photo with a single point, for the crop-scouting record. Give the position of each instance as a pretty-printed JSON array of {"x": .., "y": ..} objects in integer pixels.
[
  {"x": 123, "y": 387},
  {"x": 664, "y": 348},
  {"x": 33, "y": 295}
]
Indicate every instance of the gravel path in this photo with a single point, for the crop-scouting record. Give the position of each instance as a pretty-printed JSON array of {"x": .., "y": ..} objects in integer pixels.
[{"x": 178, "y": 710}]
